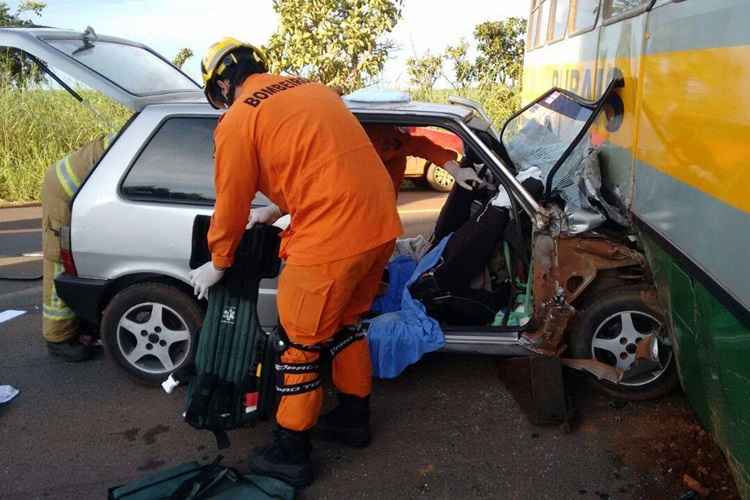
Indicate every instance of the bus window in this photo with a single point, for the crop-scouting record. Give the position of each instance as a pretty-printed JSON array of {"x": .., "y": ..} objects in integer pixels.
[
  {"x": 614, "y": 8},
  {"x": 586, "y": 14},
  {"x": 562, "y": 8},
  {"x": 542, "y": 27},
  {"x": 532, "y": 30}
]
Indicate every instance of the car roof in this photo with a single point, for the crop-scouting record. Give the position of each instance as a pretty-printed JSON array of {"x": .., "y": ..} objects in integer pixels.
[{"x": 427, "y": 109}]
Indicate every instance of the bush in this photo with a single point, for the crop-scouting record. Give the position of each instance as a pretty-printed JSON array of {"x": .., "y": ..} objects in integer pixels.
[
  {"x": 39, "y": 127},
  {"x": 500, "y": 101}
]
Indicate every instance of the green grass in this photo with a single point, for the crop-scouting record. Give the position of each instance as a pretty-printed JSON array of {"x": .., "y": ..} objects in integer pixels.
[{"x": 39, "y": 127}]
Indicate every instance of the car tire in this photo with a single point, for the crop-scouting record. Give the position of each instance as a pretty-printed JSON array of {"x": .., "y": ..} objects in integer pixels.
[
  {"x": 597, "y": 325},
  {"x": 150, "y": 329},
  {"x": 438, "y": 178}
]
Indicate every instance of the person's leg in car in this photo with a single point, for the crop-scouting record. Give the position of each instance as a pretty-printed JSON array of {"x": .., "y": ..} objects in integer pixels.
[
  {"x": 470, "y": 248},
  {"x": 455, "y": 212}
]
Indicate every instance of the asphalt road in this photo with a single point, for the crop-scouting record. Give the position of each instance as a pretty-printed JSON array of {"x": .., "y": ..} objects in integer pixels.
[{"x": 447, "y": 428}]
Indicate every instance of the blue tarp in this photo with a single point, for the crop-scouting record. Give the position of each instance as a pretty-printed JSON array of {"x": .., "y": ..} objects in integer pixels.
[{"x": 399, "y": 339}]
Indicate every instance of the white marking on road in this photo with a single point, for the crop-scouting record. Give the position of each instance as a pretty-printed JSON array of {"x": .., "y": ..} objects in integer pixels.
[
  {"x": 5, "y": 232},
  {"x": 32, "y": 254},
  {"x": 420, "y": 211},
  {"x": 26, "y": 292},
  {"x": 10, "y": 314}
]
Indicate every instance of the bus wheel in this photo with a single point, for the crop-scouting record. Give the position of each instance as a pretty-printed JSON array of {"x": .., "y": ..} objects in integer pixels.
[{"x": 610, "y": 329}]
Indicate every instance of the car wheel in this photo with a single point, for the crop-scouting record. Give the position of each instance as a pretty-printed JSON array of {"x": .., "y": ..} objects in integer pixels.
[
  {"x": 150, "y": 330},
  {"x": 438, "y": 178},
  {"x": 609, "y": 330}
]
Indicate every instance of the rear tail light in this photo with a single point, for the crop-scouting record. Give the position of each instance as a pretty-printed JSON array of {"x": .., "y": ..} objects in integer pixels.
[{"x": 66, "y": 255}]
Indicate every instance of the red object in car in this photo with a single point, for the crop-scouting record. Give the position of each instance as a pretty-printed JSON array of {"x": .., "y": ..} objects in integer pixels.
[
  {"x": 448, "y": 140},
  {"x": 66, "y": 255}
]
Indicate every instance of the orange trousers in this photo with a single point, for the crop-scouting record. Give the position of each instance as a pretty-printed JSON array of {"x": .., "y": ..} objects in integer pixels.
[{"x": 314, "y": 303}]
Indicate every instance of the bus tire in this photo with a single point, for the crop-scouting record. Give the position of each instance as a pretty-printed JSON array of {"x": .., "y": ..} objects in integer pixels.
[{"x": 599, "y": 323}]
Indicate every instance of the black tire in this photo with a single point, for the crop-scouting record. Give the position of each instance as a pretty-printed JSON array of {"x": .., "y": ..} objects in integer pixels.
[
  {"x": 600, "y": 314},
  {"x": 181, "y": 317},
  {"x": 438, "y": 178}
]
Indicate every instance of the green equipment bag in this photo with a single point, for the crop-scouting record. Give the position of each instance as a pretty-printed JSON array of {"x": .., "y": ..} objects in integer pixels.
[
  {"x": 192, "y": 481},
  {"x": 232, "y": 378}
]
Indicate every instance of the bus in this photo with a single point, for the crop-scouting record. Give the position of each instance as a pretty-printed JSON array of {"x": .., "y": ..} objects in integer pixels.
[{"x": 677, "y": 155}]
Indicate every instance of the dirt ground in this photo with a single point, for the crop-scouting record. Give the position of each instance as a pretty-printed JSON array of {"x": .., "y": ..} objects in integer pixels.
[{"x": 659, "y": 443}]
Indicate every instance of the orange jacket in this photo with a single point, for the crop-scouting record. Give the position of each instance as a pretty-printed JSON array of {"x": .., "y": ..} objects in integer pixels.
[
  {"x": 394, "y": 144},
  {"x": 296, "y": 142}
]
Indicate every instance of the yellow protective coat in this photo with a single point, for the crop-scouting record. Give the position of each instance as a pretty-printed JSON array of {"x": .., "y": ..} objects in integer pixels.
[{"x": 61, "y": 182}]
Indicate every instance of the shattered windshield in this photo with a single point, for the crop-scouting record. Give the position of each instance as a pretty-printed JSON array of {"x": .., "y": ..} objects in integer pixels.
[
  {"x": 544, "y": 135},
  {"x": 539, "y": 136},
  {"x": 135, "y": 69}
]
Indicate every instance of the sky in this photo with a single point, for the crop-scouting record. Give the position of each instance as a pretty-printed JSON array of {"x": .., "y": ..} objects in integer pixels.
[{"x": 168, "y": 25}]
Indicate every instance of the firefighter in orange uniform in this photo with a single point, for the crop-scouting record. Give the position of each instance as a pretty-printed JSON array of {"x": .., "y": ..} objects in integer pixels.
[
  {"x": 297, "y": 143},
  {"x": 395, "y": 144}
]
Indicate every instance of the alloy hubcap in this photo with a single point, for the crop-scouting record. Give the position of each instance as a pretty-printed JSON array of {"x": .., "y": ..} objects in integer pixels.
[
  {"x": 443, "y": 178},
  {"x": 616, "y": 340},
  {"x": 153, "y": 338}
]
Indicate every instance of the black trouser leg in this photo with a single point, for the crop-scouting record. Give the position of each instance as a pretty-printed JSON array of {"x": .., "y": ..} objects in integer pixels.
[
  {"x": 470, "y": 248},
  {"x": 455, "y": 212}
]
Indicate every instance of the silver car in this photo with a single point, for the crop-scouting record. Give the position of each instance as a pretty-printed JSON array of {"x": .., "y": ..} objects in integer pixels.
[{"x": 132, "y": 221}]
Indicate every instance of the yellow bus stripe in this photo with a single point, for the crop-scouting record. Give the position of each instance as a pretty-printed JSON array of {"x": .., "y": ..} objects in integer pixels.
[{"x": 692, "y": 118}]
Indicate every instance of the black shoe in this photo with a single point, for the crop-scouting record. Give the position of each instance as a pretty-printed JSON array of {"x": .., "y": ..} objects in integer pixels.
[
  {"x": 287, "y": 458},
  {"x": 71, "y": 351},
  {"x": 348, "y": 423}
]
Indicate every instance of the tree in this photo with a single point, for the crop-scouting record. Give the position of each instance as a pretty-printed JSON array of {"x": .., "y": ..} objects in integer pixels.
[
  {"x": 501, "y": 49},
  {"x": 15, "y": 67},
  {"x": 8, "y": 19},
  {"x": 336, "y": 42},
  {"x": 424, "y": 72},
  {"x": 463, "y": 69},
  {"x": 182, "y": 56}
]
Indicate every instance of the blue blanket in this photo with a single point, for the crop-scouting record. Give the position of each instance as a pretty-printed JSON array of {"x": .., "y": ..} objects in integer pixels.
[
  {"x": 400, "y": 271},
  {"x": 399, "y": 339}
]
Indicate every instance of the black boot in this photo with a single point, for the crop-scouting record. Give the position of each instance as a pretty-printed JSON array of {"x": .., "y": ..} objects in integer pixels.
[
  {"x": 287, "y": 458},
  {"x": 349, "y": 422},
  {"x": 71, "y": 351}
]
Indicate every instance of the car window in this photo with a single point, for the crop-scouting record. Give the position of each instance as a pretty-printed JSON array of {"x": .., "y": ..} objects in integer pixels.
[
  {"x": 614, "y": 8},
  {"x": 586, "y": 13},
  {"x": 176, "y": 165},
  {"x": 135, "y": 69},
  {"x": 562, "y": 8}
]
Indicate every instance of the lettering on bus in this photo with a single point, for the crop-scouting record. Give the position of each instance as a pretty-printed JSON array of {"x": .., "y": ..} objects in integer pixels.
[
  {"x": 571, "y": 79},
  {"x": 581, "y": 81}
]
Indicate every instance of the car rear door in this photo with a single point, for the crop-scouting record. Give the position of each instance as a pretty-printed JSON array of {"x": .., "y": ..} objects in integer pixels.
[
  {"x": 135, "y": 215},
  {"x": 128, "y": 72}
]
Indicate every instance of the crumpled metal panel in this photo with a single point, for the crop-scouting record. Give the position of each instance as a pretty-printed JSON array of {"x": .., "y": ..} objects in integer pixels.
[
  {"x": 578, "y": 182},
  {"x": 564, "y": 266}
]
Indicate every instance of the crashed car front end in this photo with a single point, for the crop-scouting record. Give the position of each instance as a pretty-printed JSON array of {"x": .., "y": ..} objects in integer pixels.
[{"x": 581, "y": 232}]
